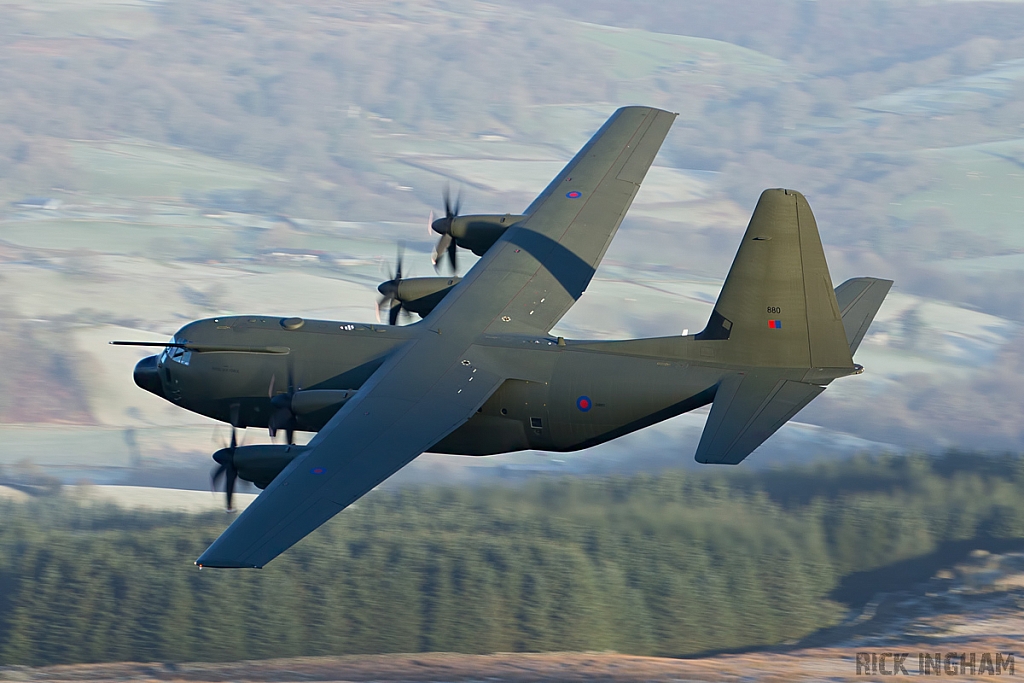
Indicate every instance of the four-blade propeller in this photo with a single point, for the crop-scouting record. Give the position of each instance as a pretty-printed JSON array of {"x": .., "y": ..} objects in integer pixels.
[
  {"x": 283, "y": 417},
  {"x": 443, "y": 227},
  {"x": 225, "y": 458},
  {"x": 389, "y": 291}
]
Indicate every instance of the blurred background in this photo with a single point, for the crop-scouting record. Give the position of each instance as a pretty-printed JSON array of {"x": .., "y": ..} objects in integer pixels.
[{"x": 162, "y": 161}]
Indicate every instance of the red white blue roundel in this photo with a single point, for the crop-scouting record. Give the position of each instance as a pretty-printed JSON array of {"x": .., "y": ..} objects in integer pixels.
[
  {"x": 584, "y": 403},
  {"x": 573, "y": 194}
]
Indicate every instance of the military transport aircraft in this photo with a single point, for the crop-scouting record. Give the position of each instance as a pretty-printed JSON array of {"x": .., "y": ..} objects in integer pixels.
[{"x": 482, "y": 374}]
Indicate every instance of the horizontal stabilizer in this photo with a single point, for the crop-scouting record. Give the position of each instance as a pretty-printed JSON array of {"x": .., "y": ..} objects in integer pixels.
[
  {"x": 859, "y": 300},
  {"x": 749, "y": 407}
]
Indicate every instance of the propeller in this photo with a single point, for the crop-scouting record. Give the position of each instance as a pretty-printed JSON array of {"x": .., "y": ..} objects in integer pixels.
[
  {"x": 282, "y": 417},
  {"x": 443, "y": 227},
  {"x": 389, "y": 291},
  {"x": 225, "y": 458}
]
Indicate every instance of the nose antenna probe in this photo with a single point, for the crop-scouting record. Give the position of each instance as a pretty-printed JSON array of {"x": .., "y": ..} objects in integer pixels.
[{"x": 207, "y": 348}]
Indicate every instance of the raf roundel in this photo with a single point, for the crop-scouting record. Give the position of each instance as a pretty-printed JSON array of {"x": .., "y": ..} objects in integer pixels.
[
  {"x": 584, "y": 403},
  {"x": 317, "y": 470},
  {"x": 574, "y": 194}
]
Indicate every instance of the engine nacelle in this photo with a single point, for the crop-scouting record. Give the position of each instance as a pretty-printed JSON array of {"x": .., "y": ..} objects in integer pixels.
[
  {"x": 478, "y": 233},
  {"x": 261, "y": 463},
  {"x": 420, "y": 295}
]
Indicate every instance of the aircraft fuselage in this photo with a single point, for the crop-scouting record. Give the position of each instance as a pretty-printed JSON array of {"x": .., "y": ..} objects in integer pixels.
[{"x": 568, "y": 395}]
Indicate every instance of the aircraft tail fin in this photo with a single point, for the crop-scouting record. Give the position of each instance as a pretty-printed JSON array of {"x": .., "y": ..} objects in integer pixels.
[
  {"x": 780, "y": 321},
  {"x": 859, "y": 300},
  {"x": 777, "y": 307},
  {"x": 748, "y": 408}
]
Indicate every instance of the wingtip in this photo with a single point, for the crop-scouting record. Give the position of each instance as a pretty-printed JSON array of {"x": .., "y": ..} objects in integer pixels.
[
  {"x": 203, "y": 563},
  {"x": 627, "y": 107},
  {"x": 211, "y": 560}
]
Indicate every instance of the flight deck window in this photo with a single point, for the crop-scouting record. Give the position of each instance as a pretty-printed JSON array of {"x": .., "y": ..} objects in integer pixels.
[{"x": 179, "y": 355}]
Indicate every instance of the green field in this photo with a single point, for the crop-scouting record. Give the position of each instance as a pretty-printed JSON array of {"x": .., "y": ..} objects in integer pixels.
[
  {"x": 110, "y": 19},
  {"x": 634, "y": 54},
  {"x": 143, "y": 169}
]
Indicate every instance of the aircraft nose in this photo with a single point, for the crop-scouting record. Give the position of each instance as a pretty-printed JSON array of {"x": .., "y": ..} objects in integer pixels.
[{"x": 147, "y": 376}]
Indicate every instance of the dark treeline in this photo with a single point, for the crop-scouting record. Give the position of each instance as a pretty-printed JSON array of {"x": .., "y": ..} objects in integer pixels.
[{"x": 673, "y": 564}]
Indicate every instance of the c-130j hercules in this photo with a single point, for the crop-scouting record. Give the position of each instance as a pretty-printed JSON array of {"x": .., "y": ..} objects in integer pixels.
[{"x": 481, "y": 374}]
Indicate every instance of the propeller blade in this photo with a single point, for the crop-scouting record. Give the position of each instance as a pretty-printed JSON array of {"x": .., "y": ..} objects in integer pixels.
[
  {"x": 393, "y": 313},
  {"x": 282, "y": 418},
  {"x": 430, "y": 222},
  {"x": 452, "y": 251},
  {"x": 446, "y": 243},
  {"x": 230, "y": 487},
  {"x": 215, "y": 476},
  {"x": 225, "y": 459},
  {"x": 443, "y": 226}
]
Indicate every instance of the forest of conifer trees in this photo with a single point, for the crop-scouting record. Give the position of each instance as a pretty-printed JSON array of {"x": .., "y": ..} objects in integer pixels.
[{"x": 673, "y": 564}]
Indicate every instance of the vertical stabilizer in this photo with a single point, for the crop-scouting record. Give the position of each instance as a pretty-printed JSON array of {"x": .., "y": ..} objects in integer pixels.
[{"x": 777, "y": 307}]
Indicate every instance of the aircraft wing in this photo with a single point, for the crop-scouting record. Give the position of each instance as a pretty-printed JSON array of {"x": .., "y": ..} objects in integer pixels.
[
  {"x": 411, "y": 403},
  {"x": 439, "y": 378}
]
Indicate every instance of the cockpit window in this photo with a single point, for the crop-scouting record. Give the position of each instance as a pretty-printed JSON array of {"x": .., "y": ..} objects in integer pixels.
[{"x": 178, "y": 354}]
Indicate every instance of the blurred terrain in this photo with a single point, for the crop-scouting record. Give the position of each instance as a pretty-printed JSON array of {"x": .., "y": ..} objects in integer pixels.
[
  {"x": 712, "y": 574},
  {"x": 168, "y": 160},
  {"x": 972, "y": 607}
]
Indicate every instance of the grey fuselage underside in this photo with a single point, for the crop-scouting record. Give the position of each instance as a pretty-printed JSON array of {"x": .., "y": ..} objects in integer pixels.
[{"x": 623, "y": 385}]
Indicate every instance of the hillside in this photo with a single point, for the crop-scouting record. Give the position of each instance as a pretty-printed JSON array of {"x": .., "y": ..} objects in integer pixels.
[{"x": 165, "y": 161}]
